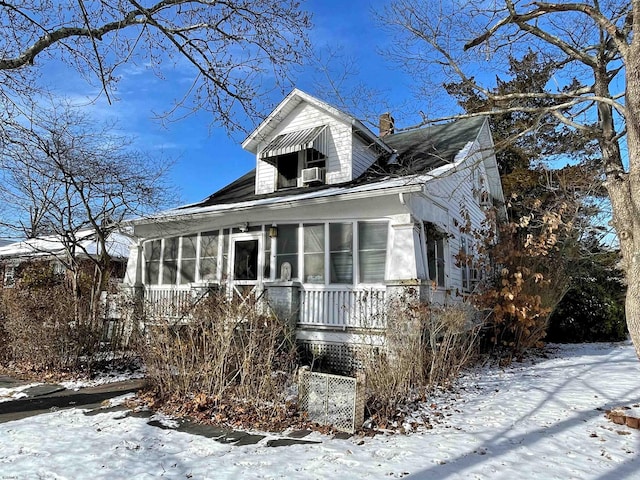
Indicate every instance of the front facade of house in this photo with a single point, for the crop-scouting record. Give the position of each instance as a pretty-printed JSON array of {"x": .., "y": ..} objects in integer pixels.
[{"x": 332, "y": 223}]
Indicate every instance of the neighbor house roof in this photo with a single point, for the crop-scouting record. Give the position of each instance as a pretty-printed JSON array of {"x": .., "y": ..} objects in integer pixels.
[{"x": 52, "y": 245}]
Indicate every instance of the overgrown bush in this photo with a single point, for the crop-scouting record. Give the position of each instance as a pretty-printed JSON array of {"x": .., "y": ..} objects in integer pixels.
[
  {"x": 46, "y": 325},
  {"x": 425, "y": 347},
  {"x": 42, "y": 330},
  {"x": 226, "y": 352}
]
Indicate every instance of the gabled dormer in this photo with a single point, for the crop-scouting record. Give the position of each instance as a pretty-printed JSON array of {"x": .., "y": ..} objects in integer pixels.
[{"x": 306, "y": 142}]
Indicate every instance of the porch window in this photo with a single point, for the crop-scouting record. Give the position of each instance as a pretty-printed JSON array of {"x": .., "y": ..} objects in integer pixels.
[
  {"x": 188, "y": 259},
  {"x": 341, "y": 252},
  {"x": 225, "y": 253},
  {"x": 287, "y": 249},
  {"x": 372, "y": 251},
  {"x": 435, "y": 240},
  {"x": 152, "y": 255},
  {"x": 208, "y": 256},
  {"x": 314, "y": 253},
  {"x": 170, "y": 261}
]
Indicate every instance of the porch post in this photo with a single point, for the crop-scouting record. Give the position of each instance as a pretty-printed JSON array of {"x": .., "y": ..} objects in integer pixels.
[{"x": 284, "y": 299}]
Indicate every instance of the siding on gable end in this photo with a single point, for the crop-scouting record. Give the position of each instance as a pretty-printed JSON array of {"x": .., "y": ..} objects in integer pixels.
[
  {"x": 265, "y": 177},
  {"x": 339, "y": 146},
  {"x": 363, "y": 156}
]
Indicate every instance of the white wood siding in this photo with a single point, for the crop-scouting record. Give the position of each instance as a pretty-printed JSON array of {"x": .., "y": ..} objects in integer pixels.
[
  {"x": 363, "y": 156},
  {"x": 444, "y": 200},
  {"x": 339, "y": 146}
]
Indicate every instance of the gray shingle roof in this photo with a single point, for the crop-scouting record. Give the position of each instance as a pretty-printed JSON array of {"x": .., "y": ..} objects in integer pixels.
[{"x": 418, "y": 151}]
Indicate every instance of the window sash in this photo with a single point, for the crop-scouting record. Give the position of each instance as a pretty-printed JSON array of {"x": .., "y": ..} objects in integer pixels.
[
  {"x": 314, "y": 253},
  {"x": 287, "y": 248},
  {"x": 341, "y": 253},
  {"x": 372, "y": 251},
  {"x": 208, "y": 256},
  {"x": 435, "y": 254},
  {"x": 152, "y": 253},
  {"x": 188, "y": 255}
]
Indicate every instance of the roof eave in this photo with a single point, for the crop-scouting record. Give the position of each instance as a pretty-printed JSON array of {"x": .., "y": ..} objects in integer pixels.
[{"x": 278, "y": 203}]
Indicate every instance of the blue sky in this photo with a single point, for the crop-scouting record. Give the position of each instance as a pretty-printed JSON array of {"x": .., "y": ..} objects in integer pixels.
[{"x": 207, "y": 159}]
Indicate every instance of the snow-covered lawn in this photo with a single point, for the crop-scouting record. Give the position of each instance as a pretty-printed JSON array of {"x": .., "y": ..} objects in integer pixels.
[{"x": 538, "y": 420}]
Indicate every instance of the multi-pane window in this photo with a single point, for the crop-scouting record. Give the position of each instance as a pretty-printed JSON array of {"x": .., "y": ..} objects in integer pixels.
[
  {"x": 170, "y": 260},
  {"x": 152, "y": 255},
  {"x": 208, "y": 256},
  {"x": 188, "y": 259},
  {"x": 372, "y": 251},
  {"x": 314, "y": 253},
  {"x": 435, "y": 254},
  {"x": 287, "y": 249},
  {"x": 341, "y": 252},
  {"x": 313, "y": 158},
  {"x": 181, "y": 260}
]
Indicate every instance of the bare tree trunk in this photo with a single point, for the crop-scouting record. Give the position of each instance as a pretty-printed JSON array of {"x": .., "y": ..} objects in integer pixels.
[{"x": 624, "y": 191}]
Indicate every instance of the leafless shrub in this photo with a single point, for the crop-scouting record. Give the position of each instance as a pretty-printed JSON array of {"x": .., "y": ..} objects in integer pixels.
[
  {"x": 425, "y": 347},
  {"x": 47, "y": 325},
  {"x": 224, "y": 349},
  {"x": 42, "y": 330}
]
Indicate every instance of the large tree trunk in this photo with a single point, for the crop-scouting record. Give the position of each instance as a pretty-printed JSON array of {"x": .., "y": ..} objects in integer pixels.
[{"x": 624, "y": 188}]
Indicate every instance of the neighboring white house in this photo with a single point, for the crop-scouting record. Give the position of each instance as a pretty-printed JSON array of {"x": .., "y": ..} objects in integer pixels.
[
  {"x": 52, "y": 249},
  {"x": 333, "y": 221}
]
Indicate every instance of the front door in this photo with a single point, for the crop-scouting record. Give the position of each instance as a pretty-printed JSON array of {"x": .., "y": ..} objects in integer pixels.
[{"x": 246, "y": 272}]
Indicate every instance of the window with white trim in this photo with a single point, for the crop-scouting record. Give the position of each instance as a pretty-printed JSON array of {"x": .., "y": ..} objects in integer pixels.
[
  {"x": 181, "y": 260},
  {"x": 465, "y": 268},
  {"x": 209, "y": 256},
  {"x": 435, "y": 243},
  {"x": 372, "y": 251},
  {"x": 170, "y": 260},
  {"x": 153, "y": 260},
  {"x": 188, "y": 259},
  {"x": 314, "y": 253},
  {"x": 287, "y": 249},
  {"x": 341, "y": 252}
]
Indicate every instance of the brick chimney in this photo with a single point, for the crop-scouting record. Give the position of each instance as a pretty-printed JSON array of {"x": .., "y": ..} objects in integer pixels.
[{"x": 386, "y": 125}]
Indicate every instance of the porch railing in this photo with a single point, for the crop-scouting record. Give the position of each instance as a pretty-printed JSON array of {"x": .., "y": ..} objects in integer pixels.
[
  {"x": 167, "y": 302},
  {"x": 343, "y": 307},
  {"x": 334, "y": 307}
]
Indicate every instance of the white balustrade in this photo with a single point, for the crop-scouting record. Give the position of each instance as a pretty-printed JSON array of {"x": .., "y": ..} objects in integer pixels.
[{"x": 343, "y": 307}]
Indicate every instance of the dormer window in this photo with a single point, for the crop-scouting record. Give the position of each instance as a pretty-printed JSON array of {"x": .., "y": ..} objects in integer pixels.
[
  {"x": 299, "y": 156},
  {"x": 288, "y": 171}
]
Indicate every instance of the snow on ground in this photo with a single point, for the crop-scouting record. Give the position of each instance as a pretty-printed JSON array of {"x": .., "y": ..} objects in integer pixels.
[
  {"x": 14, "y": 393},
  {"x": 542, "y": 419}
]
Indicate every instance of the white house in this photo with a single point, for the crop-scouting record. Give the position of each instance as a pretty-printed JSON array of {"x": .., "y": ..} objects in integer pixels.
[
  {"x": 53, "y": 249},
  {"x": 333, "y": 221}
]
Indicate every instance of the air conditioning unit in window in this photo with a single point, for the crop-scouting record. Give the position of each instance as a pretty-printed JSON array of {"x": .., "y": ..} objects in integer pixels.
[{"x": 313, "y": 175}]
